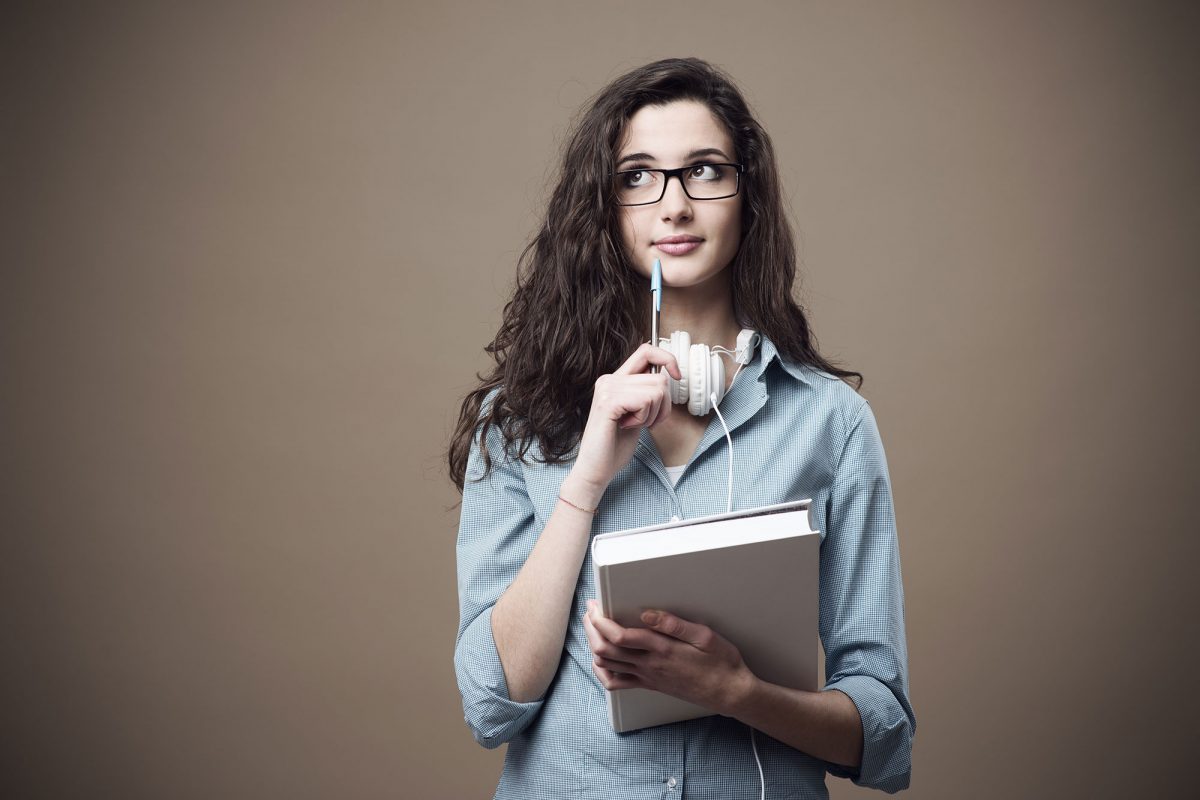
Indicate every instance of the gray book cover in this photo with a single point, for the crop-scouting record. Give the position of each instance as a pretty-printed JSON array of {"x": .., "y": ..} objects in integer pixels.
[{"x": 752, "y": 576}]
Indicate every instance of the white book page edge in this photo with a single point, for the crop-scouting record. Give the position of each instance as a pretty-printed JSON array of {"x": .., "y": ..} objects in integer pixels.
[
  {"x": 660, "y": 542},
  {"x": 777, "y": 508}
]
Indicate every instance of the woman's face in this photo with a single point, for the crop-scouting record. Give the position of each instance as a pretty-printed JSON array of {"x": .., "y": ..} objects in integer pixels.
[{"x": 679, "y": 134}]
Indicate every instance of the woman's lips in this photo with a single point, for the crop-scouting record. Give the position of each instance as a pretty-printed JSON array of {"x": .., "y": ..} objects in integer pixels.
[{"x": 678, "y": 248}]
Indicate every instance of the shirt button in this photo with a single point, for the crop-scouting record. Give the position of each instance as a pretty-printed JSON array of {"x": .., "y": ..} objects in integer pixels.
[
  {"x": 671, "y": 783},
  {"x": 674, "y": 518}
]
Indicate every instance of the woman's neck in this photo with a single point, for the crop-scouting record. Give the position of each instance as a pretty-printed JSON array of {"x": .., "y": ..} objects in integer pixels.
[{"x": 705, "y": 312}]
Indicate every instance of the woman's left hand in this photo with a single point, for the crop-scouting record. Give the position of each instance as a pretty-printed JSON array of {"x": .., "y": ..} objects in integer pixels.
[{"x": 671, "y": 655}]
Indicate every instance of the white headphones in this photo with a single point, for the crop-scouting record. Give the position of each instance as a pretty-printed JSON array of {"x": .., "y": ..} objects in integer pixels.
[{"x": 703, "y": 371}]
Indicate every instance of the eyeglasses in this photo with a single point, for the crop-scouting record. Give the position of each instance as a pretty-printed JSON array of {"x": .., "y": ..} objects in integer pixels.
[{"x": 643, "y": 187}]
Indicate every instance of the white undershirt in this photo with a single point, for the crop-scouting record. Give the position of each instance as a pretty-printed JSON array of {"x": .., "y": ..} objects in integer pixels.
[{"x": 674, "y": 472}]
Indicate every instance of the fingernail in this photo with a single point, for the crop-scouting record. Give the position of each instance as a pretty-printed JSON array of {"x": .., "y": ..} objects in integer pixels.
[{"x": 650, "y": 617}]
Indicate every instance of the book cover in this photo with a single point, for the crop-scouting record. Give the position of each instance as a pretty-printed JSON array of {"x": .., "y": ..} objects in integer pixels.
[{"x": 752, "y": 576}]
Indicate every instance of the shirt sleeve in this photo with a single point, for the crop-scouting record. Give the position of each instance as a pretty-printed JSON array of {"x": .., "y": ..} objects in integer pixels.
[
  {"x": 862, "y": 609},
  {"x": 495, "y": 536}
]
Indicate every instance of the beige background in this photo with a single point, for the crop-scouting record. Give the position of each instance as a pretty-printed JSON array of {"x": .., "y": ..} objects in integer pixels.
[{"x": 251, "y": 254}]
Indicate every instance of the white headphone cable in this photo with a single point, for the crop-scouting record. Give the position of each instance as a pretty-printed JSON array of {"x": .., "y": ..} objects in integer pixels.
[
  {"x": 729, "y": 498},
  {"x": 762, "y": 782}
]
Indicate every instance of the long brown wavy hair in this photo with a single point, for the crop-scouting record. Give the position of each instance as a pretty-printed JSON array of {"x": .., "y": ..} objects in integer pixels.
[{"x": 579, "y": 308}]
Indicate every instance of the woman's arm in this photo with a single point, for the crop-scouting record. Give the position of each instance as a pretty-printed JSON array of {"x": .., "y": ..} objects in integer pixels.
[
  {"x": 529, "y": 621},
  {"x": 822, "y": 724},
  {"x": 862, "y": 608}
]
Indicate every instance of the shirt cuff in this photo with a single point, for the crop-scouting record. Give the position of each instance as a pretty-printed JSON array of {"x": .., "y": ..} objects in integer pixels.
[
  {"x": 887, "y": 735},
  {"x": 494, "y": 718}
]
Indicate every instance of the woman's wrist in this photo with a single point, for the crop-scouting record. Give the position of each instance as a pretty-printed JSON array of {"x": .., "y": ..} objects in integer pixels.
[
  {"x": 580, "y": 492},
  {"x": 740, "y": 694}
]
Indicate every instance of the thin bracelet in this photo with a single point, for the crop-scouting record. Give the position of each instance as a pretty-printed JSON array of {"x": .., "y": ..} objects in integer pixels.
[{"x": 580, "y": 508}]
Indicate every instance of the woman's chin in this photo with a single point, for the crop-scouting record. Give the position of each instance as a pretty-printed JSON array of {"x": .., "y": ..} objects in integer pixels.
[{"x": 680, "y": 276}]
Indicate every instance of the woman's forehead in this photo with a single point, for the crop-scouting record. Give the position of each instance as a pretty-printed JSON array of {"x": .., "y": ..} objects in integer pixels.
[{"x": 670, "y": 132}]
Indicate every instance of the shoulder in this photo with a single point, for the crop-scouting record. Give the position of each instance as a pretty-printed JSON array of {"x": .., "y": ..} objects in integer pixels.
[
  {"x": 500, "y": 439},
  {"x": 824, "y": 394},
  {"x": 489, "y": 446}
]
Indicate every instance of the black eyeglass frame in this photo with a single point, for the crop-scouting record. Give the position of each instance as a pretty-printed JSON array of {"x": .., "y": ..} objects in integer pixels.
[{"x": 667, "y": 174}]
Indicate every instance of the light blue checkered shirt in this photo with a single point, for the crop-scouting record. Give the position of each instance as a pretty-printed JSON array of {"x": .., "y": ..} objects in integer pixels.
[{"x": 797, "y": 433}]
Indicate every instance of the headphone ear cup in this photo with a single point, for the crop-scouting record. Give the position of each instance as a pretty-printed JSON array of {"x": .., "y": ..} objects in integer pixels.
[
  {"x": 680, "y": 347},
  {"x": 706, "y": 375},
  {"x": 698, "y": 380},
  {"x": 716, "y": 377}
]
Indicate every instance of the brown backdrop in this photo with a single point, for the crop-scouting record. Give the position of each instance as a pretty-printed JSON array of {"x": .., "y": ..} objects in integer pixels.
[{"x": 251, "y": 254}]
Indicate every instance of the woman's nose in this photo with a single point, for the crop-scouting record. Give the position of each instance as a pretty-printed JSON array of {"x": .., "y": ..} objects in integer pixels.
[{"x": 676, "y": 204}]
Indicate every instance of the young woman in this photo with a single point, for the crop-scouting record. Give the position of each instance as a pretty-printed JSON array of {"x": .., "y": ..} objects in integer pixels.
[{"x": 573, "y": 433}]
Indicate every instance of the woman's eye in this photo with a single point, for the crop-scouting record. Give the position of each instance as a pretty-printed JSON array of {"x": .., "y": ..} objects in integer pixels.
[
  {"x": 637, "y": 178},
  {"x": 705, "y": 172}
]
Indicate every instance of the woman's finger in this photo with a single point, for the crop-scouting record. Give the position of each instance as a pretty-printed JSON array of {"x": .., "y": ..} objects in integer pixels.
[
  {"x": 603, "y": 646},
  {"x": 622, "y": 638},
  {"x": 695, "y": 634},
  {"x": 664, "y": 403},
  {"x": 642, "y": 417},
  {"x": 615, "y": 680},
  {"x": 630, "y": 392},
  {"x": 634, "y": 406},
  {"x": 595, "y": 638},
  {"x": 613, "y": 665},
  {"x": 656, "y": 398},
  {"x": 645, "y": 357}
]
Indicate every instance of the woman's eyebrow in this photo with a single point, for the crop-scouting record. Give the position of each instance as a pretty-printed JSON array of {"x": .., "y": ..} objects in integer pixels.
[{"x": 707, "y": 151}]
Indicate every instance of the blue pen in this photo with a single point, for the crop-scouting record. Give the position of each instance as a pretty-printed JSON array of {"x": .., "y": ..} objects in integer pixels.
[{"x": 656, "y": 294}]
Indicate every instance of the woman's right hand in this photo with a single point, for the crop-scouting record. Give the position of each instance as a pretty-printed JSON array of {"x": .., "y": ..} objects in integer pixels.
[{"x": 622, "y": 404}]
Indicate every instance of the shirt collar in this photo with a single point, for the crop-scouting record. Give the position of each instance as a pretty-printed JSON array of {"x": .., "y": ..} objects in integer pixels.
[{"x": 768, "y": 353}]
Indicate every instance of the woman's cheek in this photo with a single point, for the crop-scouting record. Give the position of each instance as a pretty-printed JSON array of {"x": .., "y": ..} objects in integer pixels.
[{"x": 631, "y": 239}]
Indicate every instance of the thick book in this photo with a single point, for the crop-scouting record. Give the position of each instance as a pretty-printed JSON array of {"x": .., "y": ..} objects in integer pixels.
[{"x": 750, "y": 575}]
